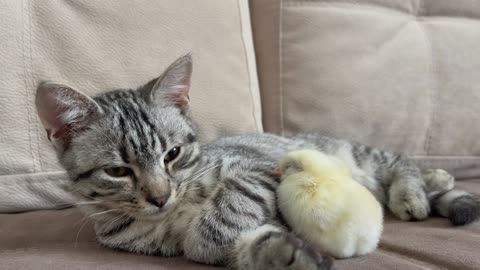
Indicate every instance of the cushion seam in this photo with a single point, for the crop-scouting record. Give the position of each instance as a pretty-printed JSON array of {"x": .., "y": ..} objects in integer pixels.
[
  {"x": 397, "y": 255},
  {"x": 31, "y": 174},
  {"x": 406, "y": 253},
  {"x": 26, "y": 30},
  {"x": 446, "y": 157},
  {"x": 280, "y": 69},
  {"x": 32, "y": 98},
  {"x": 6, "y": 251},
  {"x": 379, "y": 8},
  {"x": 433, "y": 74},
  {"x": 26, "y": 182},
  {"x": 346, "y": 5},
  {"x": 254, "y": 104}
]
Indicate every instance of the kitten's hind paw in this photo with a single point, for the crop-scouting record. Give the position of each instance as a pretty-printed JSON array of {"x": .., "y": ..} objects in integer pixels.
[
  {"x": 437, "y": 181},
  {"x": 284, "y": 251}
]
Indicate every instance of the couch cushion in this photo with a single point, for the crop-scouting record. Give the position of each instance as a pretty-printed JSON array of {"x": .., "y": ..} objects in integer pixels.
[
  {"x": 62, "y": 240},
  {"x": 58, "y": 240},
  {"x": 401, "y": 75},
  {"x": 98, "y": 45}
]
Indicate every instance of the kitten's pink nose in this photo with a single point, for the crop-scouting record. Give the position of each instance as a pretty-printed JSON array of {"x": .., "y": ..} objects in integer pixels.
[{"x": 159, "y": 201}]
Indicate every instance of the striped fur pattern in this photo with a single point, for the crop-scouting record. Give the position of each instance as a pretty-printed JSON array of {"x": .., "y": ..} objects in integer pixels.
[{"x": 140, "y": 173}]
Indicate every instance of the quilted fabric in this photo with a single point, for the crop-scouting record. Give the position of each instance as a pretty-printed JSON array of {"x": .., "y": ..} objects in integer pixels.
[
  {"x": 397, "y": 74},
  {"x": 98, "y": 45}
]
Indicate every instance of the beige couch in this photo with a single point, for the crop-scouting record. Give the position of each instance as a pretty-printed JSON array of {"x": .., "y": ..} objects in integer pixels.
[{"x": 398, "y": 74}]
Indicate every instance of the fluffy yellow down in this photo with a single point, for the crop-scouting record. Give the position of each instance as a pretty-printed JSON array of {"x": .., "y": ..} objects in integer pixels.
[{"x": 324, "y": 205}]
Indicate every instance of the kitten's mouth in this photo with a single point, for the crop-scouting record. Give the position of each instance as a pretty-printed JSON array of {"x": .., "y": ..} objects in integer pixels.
[{"x": 155, "y": 213}]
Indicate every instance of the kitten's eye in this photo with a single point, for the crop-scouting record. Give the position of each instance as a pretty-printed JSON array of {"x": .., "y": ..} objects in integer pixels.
[
  {"x": 171, "y": 155},
  {"x": 118, "y": 171}
]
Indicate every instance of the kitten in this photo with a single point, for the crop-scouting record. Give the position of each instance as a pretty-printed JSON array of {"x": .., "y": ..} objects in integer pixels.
[{"x": 140, "y": 173}]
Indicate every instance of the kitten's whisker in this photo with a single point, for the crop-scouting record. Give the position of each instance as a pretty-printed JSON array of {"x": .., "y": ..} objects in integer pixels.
[
  {"x": 198, "y": 174},
  {"x": 95, "y": 214},
  {"x": 85, "y": 195},
  {"x": 75, "y": 204},
  {"x": 182, "y": 187},
  {"x": 88, "y": 219},
  {"x": 78, "y": 233},
  {"x": 115, "y": 219},
  {"x": 84, "y": 203},
  {"x": 201, "y": 172},
  {"x": 97, "y": 200}
]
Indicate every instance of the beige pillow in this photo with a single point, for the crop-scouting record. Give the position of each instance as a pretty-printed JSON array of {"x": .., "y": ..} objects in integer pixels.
[
  {"x": 401, "y": 75},
  {"x": 98, "y": 45}
]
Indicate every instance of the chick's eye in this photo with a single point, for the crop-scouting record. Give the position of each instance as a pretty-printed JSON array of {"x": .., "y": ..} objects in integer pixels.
[
  {"x": 118, "y": 171},
  {"x": 291, "y": 166},
  {"x": 287, "y": 165},
  {"x": 172, "y": 154}
]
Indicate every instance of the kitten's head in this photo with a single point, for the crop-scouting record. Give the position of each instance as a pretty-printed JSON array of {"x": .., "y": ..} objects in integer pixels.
[{"x": 125, "y": 150}]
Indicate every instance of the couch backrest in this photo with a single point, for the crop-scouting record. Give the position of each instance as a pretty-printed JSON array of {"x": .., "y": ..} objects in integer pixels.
[
  {"x": 98, "y": 45},
  {"x": 401, "y": 75}
]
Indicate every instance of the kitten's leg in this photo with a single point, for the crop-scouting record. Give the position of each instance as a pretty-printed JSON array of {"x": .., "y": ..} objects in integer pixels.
[
  {"x": 270, "y": 247},
  {"x": 238, "y": 205},
  {"x": 400, "y": 178},
  {"x": 233, "y": 218},
  {"x": 437, "y": 181},
  {"x": 406, "y": 195},
  {"x": 405, "y": 189}
]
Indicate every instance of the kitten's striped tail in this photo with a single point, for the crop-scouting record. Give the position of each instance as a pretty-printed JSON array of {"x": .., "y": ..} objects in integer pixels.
[{"x": 459, "y": 206}]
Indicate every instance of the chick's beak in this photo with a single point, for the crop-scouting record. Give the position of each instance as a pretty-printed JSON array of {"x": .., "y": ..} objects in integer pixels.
[{"x": 277, "y": 172}]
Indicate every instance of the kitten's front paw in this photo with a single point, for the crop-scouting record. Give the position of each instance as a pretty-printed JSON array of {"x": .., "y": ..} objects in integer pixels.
[
  {"x": 409, "y": 204},
  {"x": 283, "y": 251}
]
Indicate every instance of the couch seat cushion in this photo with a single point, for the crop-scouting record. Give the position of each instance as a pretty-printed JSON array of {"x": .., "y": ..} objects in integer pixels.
[{"x": 56, "y": 240}]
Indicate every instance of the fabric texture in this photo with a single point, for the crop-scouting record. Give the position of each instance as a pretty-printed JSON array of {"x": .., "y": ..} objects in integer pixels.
[
  {"x": 400, "y": 75},
  {"x": 95, "y": 46},
  {"x": 64, "y": 244}
]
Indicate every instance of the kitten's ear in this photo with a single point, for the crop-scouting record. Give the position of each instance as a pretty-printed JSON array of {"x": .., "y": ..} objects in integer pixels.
[
  {"x": 173, "y": 86},
  {"x": 64, "y": 111}
]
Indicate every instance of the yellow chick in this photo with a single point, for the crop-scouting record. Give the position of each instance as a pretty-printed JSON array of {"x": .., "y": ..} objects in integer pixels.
[{"x": 327, "y": 208}]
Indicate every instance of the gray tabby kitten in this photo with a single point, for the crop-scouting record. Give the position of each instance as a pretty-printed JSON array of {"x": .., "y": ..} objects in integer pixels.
[{"x": 138, "y": 170}]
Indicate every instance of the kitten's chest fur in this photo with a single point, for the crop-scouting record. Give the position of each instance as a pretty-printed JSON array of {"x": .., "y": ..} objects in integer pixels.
[{"x": 153, "y": 237}]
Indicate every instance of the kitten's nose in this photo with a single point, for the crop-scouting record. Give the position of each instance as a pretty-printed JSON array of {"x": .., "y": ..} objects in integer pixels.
[{"x": 158, "y": 201}]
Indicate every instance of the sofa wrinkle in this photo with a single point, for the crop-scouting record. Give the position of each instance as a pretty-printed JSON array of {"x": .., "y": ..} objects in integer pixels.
[
  {"x": 456, "y": 157},
  {"x": 453, "y": 19},
  {"x": 412, "y": 261},
  {"x": 26, "y": 42},
  {"x": 32, "y": 248},
  {"x": 248, "y": 66},
  {"x": 33, "y": 115},
  {"x": 6, "y": 176},
  {"x": 280, "y": 71},
  {"x": 404, "y": 252},
  {"x": 419, "y": 15},
  {"x": 434, "y": 91},
  {"x": 393, "y": 35},
  {"x": 345, "y": 5}
]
